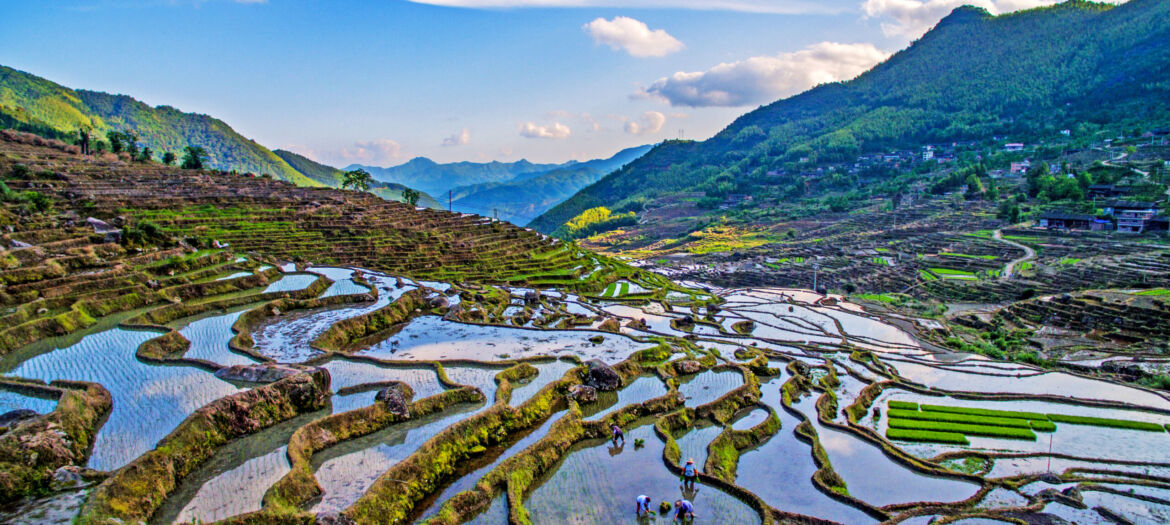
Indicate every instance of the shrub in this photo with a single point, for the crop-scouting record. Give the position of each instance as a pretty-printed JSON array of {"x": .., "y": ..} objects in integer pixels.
[{"x": 927, "y": 436}]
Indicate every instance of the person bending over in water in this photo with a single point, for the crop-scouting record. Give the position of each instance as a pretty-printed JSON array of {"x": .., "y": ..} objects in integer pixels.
[
  {"x": 618, "y": 434},
  {"x": 643, "y": 506},
  {"x": 684, "y": 512},
  {"x": 690, "y": 474}
]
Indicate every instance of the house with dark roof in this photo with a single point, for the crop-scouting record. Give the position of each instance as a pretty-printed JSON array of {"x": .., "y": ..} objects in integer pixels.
[
  {"x": 1132, "y": 217},
  {"x": 1058, "y": 220}
]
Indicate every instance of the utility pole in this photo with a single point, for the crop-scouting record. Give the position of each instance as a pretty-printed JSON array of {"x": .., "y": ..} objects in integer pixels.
[
  {"x": 815, "y": 268},
  {"x": 448, "y": 200},
  {"x": 496, "y": 213}
]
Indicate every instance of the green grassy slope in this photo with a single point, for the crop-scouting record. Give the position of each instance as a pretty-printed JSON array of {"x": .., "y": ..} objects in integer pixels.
[{"x": 1025, "y": 75}]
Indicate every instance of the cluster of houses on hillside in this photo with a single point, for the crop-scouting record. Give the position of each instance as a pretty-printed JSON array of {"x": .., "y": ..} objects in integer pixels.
[{"x": 1127, "y": 217}]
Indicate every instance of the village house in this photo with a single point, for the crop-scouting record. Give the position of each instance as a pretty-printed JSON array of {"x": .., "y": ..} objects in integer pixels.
[
  {"x": 1020, "y": 168},
  {"x": 1014, "y": 146},
  {"x": 1132, "y": 217},
  {"x": 1059, "y": 220}
]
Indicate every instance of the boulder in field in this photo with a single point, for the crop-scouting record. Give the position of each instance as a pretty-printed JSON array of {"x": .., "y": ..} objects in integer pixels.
[
  {"x": 256, "y": 373},
  {"x": 602, "y": 376}
]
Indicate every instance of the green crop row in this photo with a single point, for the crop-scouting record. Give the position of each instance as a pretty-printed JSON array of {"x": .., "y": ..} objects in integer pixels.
[
  {"x": 984, "y": 412},
  {"x": 904, "y": 405},
  {"x": 927, "y": 436},
  {"x": 1043, "y": 426},
  {"x": 965, "y": 429},
  {"x": 947, "y": 417},
  {"x": 1106, "y": 422}
]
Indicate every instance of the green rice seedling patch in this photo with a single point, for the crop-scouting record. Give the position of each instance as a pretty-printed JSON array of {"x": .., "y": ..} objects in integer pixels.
[
  {"x": 948, "y": 273},
  {"x": 947, "y": 417},
  {"x": 927, "y": 436},
  {"x": 1042, "y": 426},
  {"x": 984, "y": 412},
  {"x": 965, "y": 429},
  {"x": 880, "y": 261},
  {"x": 902, "y": 405},
  {"x": 927, "y": 276},
  {"x": 1155, "y": 291},
  {"x": 1069, "y": 261},
  {"x": 1106, "y": 422}
]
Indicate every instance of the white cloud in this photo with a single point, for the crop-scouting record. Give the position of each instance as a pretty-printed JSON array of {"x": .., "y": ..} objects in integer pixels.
[
  {"x": 787, "y": 7},
  {"x": 650, "y": 123},
  {"x": 912, "y": 18},
  {"x": 634, "y": 36},
  {"x": 460, "y": 139},
  {"x": 554, "y": 131},
  {"x": 371, "y": 152},
  {"x": 765, "y": 78}
]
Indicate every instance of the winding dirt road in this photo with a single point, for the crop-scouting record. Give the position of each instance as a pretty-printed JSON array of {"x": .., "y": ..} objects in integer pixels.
[{"x": 1010, "y": 267}]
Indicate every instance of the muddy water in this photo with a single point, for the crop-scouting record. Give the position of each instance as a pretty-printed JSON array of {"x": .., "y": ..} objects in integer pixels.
[
  {"x": 288, "y": 338},
  {"x": 344, "y": 373},
  {"x": 432, "y": 338},
  {"x": 598, "y": 483},
  {"x": 483, "y": 378},
  {"x": 149, "y": 400}
]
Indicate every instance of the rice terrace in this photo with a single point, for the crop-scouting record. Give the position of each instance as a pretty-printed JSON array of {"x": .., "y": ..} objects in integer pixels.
[{"x": 926, "y": 281}]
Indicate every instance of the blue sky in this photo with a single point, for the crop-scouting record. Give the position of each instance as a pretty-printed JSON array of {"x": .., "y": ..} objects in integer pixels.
[{"x": 381, "y": 81}]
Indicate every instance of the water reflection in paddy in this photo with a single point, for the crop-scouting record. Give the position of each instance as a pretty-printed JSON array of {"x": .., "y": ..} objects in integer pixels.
[
  {"x": 1051, "y": 383},
  {"x": 597, "y": 483},
  {"x": 347, "y": 470},
  {"x": 875, "y": 478},
  {"x": 641, "y": 389},
  {"x": 750, "y": 419},
  {"x": 693, "y": 444},
  {"x": 209, "y": 338},
  {"x": 483, "y": 378},
  {"x": 291, "y": 283},
  {"x": 469, "y": 480},
  {"x": 432, "y": 338},
  {"x": 11, "y": 400},
  {"x": 780, "y": 470},
  {"x": 233, "y": 481},
  {"x": 548, "y": 371},
  {"x": 149, "y": 400},
  {"x": 344, "y": 373},
  {"x": 705, "y": 387}
]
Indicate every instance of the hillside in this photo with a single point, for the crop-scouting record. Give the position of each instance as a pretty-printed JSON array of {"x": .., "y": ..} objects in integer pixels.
[
  {"x": 432, "y": 177},
  {"x": 34, "y": 104},
  {"x": 529, "y": 195},
  {"x": 332, "y": 177},
  {"x": 1080, "y": 66}
]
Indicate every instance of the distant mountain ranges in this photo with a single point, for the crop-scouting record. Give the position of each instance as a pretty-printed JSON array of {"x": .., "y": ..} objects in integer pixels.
[
  {"x": 515, "y": 191},
  {"x": 1079, "y": 65},
  {"x": 34, "y": 104}
]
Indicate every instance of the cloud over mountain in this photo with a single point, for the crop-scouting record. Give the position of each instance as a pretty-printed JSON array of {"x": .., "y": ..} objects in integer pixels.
[
  {"x": 556, "y": 130},
  {"x": 763, "y": 79},
  {"x": 650, "y": 123}
]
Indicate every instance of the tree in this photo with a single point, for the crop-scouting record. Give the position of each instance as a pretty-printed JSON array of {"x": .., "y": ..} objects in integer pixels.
[
  {"x": 410, "y": 196},
  {"x": 194, "y": 158},
  {"x": 168, "y": 158},
  {"x": 146, "y": 155},
  {"x": 358, "y": 179},
  {"x": 115, "y": 139}
]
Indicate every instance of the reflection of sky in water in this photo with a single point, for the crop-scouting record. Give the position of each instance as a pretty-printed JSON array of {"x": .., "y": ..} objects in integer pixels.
[
  {"x": 10, "y": 401},
  {"x": 149, "y": 400},
  {"x": 238, "y": 490},
  {"x": 291, "y": 283},
  {"x": 209, "y": 340}
]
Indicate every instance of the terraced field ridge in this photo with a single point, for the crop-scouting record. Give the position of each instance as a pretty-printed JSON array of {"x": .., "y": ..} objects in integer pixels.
[{"x": 198, "y": 347}]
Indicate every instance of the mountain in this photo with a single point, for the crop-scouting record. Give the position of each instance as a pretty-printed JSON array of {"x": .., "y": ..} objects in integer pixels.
[
  {"x": 1079, "y": 65},
  {"x": 333, "y": 177},
  {"x": 31, "y": 103},
  {"x": 530, "y": 194},
  {"x": 427, "y": 175}
]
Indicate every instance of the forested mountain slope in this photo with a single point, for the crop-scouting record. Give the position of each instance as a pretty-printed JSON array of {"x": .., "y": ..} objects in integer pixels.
[
  {"x": 1077, "y": 65},
  {"x": 34, "y": 104},
  {"x": 432, "y": 177}
]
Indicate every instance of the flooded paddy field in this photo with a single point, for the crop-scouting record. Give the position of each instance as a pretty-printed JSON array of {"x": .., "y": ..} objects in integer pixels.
[{"x": 779, "y": 343}]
